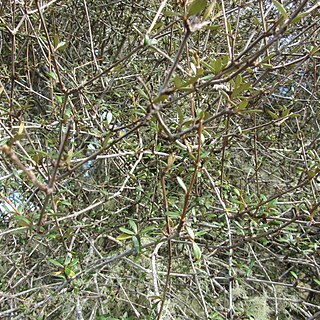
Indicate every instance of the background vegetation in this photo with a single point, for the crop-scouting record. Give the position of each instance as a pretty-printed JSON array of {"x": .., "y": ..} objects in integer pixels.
[{"x": 159, "y": 160}]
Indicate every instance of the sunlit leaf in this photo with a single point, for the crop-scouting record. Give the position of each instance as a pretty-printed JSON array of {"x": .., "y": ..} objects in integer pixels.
[
  {"x": 171, "y": 159},
  {"x": 196, "y": 251},
  {"x": 52, "y": 75},
  {"x": 190, "y": 232},
  {"x": 123, "y": 236},
  {"x": 69, "y": 272},
  {"x": 56, "y": 262},
  {"x": 182, "y": 185},
  {"x": 21, "y": 128},
  {"x": 61, "y": 45},
  {"x": 134, "y": 226},
  {"x": 127, "y": 231}
]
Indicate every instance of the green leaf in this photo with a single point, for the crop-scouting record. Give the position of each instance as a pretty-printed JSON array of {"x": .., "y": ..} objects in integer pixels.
[
  {"x": 160, "y": 98},
  {"x": 74, "y": 262},
  {"x": 196, "y": 251},
  {"x": 196, "y": 6},
  {"x": 190, "y": 232},
  {"x": 169, "y": 13},
  {"x": 180, "y": 114},
  {"x": 238, "y": 80},
  {"x": 127, "y": 231},
  {"x": 177, "y": 82},
  {"x": 133, "y": 226},
  {"x": 217, "y": 65},
  {"x": 237, "y": 91},
  {"x": 52, "y": 75},
  {"x": 137, "y": 243},
  {"x": 280, "y": 8},
  {"x": 243, "y": 104},
  {"x": 124, "y": 236},
  {"x": 23, "y": 221},
  {"x": 149, "y": 41},
  {"x": 272, "y": 115},
  {"x": 209, "y": 10},
  {"x": 147, "y": 230},
  {"x": 182, "y": 185},
  {"x": 69, "y": 272},
  {"x": 61, "y": 45},
  {"x": 299, "y": 17},
  {"x": 55, "y": 40},
  {"x": 56, "y": 262},
  {"x": 171, "y": 159}
]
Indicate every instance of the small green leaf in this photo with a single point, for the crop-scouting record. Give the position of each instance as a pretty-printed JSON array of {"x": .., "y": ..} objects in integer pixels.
[
  {"x": 147, "y": 230},
  {"x": 21, "y": 128},
  {"x": 267, "y": 65},
  {"x": 190, "y": 232},
  {"x": 237, "y": 91},
  {"x": 182, "y": 185},
  {"x": 196, "y": 6},
  {"x": 55, "y": 40},
  {"x": 217, "y": 65},
  {"x": 67, "y": 259},
  {"x": 180, "y": 114},
  {"x": 149, "y": 41},
  {"x": 311, "y": 174},
  {"x": 171, "y": 159},
  {"x": 196, "y": 251},
  {"x": 74, "y": 262},
  {"x": 158, "y": 25},
  {"x": 52, "y": 75},
  {"x": 177, "y": 82},
  {"x": 313, "y": 50},
  {"x": 127, "y": 231},
  {"x": 209, "y": 10},
  {"x": 238, "y": 80},
  {"x": 272, "y": 115},
  {"x": 137, "y": 243},
  {"x": 123, "y": 236},
  {"x": 56, "y": 262},
  {"x": 133, "y": 226},
  {"x": 61, "y": 45},
  {"x": 69, "y": 272},
  {"x": 280, "y": 8},
  {"x": 299, "y": 17},
  {"x": 160, "y": 98},
  {"x": 23, "y": 221},
  {"x": 169, "y": 13},
  {"x": 243, "y": 104}
]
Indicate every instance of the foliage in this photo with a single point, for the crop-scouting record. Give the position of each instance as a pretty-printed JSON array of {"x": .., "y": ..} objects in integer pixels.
[{"x": 159, "y": 160}]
